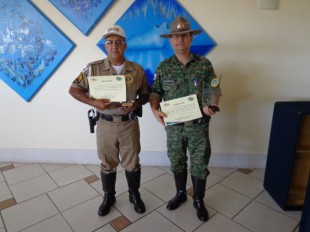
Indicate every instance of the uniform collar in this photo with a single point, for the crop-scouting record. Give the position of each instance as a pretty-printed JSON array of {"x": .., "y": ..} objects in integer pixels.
[
  {"x": 107, "y": 65},
  {"x": 190, "y": 59}
]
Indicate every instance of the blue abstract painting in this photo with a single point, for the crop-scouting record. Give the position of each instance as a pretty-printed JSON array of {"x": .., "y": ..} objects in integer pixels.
[
  {"x": 31, "y": 47},
  {"x": 84, "y": 14},
  {"x": 144, "y": 21}
]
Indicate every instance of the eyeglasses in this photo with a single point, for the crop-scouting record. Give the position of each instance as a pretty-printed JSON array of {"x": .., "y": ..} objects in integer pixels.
[{"x": 116, "y": 42}]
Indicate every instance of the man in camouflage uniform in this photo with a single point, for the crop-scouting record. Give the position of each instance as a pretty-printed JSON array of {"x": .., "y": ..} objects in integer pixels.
[
  {"x": 181, "y": 75},
  {"x": 118, "y": 132}
]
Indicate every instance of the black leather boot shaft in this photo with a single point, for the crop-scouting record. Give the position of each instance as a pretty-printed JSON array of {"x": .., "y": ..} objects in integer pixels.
[
  {"x": 181, "y": 196},
  {"x": 133, "y": 180},
  {"x": 199, "y": 187},
  {"x": 108, "y": 186}
]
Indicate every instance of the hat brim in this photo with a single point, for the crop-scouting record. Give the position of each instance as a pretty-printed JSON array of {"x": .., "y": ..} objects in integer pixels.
[
  {"x": 194, "y": 32},
  {"x": 113, "y": 33}
]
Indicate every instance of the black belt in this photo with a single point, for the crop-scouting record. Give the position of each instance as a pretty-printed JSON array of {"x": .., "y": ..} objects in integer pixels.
[
  {"x": 198, "y": 121},
  {"x": 119, "y": 118}
]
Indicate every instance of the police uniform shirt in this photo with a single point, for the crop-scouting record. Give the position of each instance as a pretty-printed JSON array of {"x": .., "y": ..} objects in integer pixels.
[{"x": 136, "y": 85}]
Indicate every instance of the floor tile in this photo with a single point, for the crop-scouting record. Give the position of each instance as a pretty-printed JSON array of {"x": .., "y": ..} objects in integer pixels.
[
  {"x": 54, "y": 167},
  {"x": 28, "y": 213},
  {"x": 149, "y": 173},
  {"x": 7, "y": 203},
  {"x": 120, "y": 185},
  {"x": 185, "y": 216},
  {"x": 120, "y": 223},
  {"x": 244, "y": 184},
  {"x": 22, "y": 173},
  {"x": 106, "y": 228},
  {"x": 223, "y": 172},
  {"x": 72, "y": 195},
  {"x": 225, "y": 200},
  {"x": 258, "y": 173},
  {"x": 163, "y": 187},
  {"x": 70, "y": 174},
  {"x": 91, "y": 179},
  {"x": 5, "y": 192},
  {"x": 213, "y": 179},
  {"x": 33, "y": 187},
  {"x": 84, "y": 217},
  {"x": 56, "y": 223},
  {"x": 65, "y": 197},
  {"x": 154, "y": 221},
  {"x": 6, "y": 168},
  {"x": 21, "y": 164},
  {"x": 259, "y": 218},
  {"x": 127, "y": 209},
  {"x": 267, "y": 200},
  {"x": 220, "y": 223},
  {"x": 166, "y": 169},
  {"x": 94, "y": 168},
  {"x": 1, "y": 223},
  {"x": 1, "y": 177},
  {"x": 4, "y": 164}
]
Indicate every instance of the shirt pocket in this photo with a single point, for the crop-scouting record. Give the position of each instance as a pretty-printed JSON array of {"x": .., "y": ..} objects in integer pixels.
[{"x": 170, "y": 89}]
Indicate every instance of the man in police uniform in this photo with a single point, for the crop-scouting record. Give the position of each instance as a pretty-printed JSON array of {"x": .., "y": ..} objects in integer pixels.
[
  {"x": 181, "y": 75},
  {"x": 118, "y": 133}
]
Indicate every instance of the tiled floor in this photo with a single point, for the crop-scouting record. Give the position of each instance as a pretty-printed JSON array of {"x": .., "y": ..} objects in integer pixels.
[{"x": 64, "y": 197}]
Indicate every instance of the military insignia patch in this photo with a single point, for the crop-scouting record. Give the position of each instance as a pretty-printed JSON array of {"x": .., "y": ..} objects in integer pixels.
[
  {"x": 79, "y": 78},
  {"x": 128, "y": 79},
  {"x": 215, "y": 82}
]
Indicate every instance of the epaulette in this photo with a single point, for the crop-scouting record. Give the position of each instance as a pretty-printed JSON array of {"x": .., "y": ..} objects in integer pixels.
[{"x": 96, "y": 62}]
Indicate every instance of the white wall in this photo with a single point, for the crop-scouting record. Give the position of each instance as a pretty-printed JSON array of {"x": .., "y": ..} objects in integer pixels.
[{"x": 263, "y": 56}]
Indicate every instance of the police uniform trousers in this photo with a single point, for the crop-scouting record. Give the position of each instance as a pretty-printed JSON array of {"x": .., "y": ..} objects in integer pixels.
[
  {"x": 195, "y": 139},
  {"x": 118, "y": 143}
]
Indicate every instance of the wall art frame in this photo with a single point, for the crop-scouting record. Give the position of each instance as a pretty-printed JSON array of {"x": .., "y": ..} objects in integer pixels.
[
  {"x": 83, "y": 14},
  {"x": 31, "y": 47}
]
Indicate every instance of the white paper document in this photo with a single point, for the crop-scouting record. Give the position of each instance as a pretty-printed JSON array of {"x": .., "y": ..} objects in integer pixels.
[
  {"x": 108, "y": 87},
  {"x": 181, "y": 110}
]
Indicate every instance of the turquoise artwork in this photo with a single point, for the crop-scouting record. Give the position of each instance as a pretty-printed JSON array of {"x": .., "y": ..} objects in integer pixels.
[
  {"x": 84, "y": 14},
  {"x": 31, "y": 47},
  {"x": 144, "y": 21}
]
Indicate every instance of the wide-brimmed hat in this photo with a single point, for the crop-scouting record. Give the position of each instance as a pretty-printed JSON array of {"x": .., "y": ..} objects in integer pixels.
[
  {"x": 180, "y": 26},
  {"x": 114, "y": 30}
]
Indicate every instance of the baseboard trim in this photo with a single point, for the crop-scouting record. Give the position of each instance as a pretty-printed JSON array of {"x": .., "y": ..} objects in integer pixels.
[{"x": 148, "y": 158}]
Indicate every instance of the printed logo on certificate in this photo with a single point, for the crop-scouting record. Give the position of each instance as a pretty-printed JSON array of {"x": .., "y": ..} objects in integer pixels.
[
  {"x": 181, "y": 110},
  {"x": 108, "y": 87}
]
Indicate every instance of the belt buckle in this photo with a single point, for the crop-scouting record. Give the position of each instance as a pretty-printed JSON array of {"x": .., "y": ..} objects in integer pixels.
[{"x": 117, "y": 118}]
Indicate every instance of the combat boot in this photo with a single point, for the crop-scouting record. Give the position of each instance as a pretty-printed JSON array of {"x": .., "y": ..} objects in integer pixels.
[
  {"x": 108, "y": 186},
  {"x": 181, "y": 196},
  {"x": 199, "y": 187},
  {"x": 133, "y": 180}
]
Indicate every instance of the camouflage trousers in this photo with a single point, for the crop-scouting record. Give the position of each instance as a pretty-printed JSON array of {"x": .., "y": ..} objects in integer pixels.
[{"x": 195, "y": 140}]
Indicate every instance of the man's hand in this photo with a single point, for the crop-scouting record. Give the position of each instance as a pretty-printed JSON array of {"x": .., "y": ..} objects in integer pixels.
[
  {"x": 208, "y": 111},
  {"x": 101, "y": 104},
  {"x": 160, "y": 116}
]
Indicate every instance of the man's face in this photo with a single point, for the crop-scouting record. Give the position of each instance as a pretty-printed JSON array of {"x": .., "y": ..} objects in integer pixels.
[
  {"x": 115, "y": 46},
  {"x": 181, "y": 43}
]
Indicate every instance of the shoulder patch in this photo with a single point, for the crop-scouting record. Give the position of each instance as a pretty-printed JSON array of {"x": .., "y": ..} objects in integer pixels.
[{"x": 79, "y": 78}]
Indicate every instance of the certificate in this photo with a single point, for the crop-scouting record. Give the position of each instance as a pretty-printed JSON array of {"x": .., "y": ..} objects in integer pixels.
[
  {"x": 181, "y": 110},
  {"x": 108, "y": 87}
]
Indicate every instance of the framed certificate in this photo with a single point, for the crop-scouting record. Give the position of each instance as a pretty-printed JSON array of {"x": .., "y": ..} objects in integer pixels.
[
  {"x": 108, "y": 87},
  {"x": 181, "y": 110}
]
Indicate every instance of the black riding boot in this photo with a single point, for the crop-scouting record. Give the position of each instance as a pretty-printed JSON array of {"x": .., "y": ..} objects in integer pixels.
[
  {"x": 108, "y": 186},
  {"x": 181, "y": 196},
  {"x": 199, "y": 186},
  {"x": 133, "y": 180}
]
